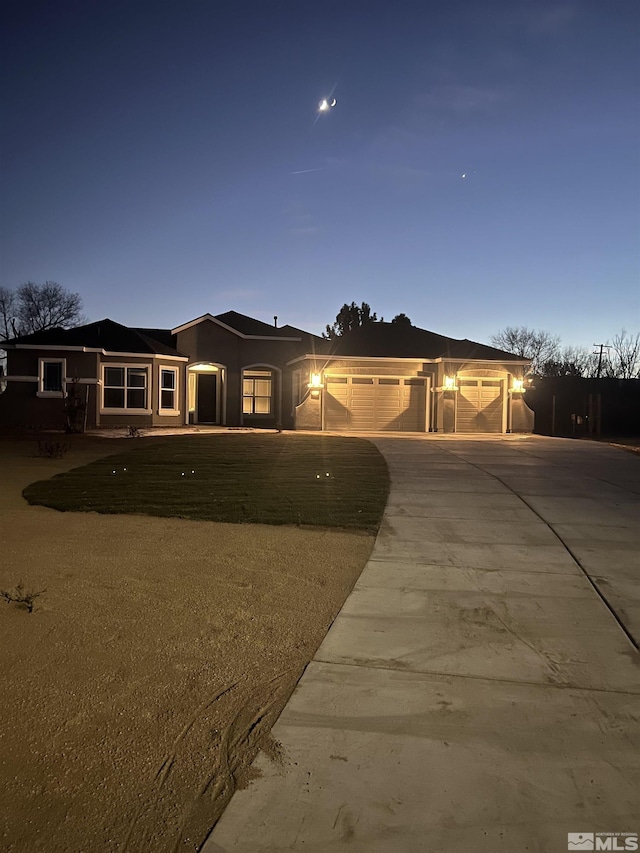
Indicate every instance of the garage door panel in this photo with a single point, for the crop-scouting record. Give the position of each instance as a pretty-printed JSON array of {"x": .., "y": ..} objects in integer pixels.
[
  {"x": 336, "y": 406},
  {"x": 480, "y": 405},
  {"x": 375, "y": 404}
]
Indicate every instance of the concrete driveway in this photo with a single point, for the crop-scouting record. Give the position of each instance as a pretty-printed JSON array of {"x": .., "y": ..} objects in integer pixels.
[{"x": 480, "y": 689}]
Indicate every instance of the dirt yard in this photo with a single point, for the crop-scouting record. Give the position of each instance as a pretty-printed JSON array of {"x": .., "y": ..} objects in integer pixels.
[{"x": 150, "y": 672}]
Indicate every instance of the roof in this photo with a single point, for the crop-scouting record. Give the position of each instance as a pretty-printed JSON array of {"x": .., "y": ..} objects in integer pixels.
[
  {"x": 249, "y": 327},
  {"x": 163, "y": 336},
  {"x": 312, "y": 343},
  {"x": 102, "y": 335},
  {"x": 394, "y": 340},
  {"x": 373, "y": 340}
]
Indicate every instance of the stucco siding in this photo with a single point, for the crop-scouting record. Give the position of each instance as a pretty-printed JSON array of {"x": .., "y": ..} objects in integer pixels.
[{"x": 207, "y": 342}]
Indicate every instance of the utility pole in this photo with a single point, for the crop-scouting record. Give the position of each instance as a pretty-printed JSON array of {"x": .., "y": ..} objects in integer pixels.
[{"x": 602, "y": 347}]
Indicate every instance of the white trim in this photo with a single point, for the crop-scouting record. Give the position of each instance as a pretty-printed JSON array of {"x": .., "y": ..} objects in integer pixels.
[
  {"x": 328, "y": 375},
  {"x": 176, "y": 372},
  {"x": 124, "y": 410},
  {"x": 20, "y": 378},
  {"x": 50, "y": 348},
  {"x": 260, "y": 364},
  {"x": 155, "y": 356},
  {"x": 222, "y": 325},
  {"x": 41, "y": 392},
  {"x": 477, "y": 361},
  {"x": 327, "y": 359}
]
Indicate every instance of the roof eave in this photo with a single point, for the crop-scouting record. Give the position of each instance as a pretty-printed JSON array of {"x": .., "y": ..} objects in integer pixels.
[
  {"x": 67, "y": 348},
  {"x": 437, "y": 360}
]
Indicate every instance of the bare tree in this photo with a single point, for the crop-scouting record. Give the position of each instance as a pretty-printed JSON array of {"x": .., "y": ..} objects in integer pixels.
[
  {"x": 538, "y": 345},
  {"x": 571, "y": 361},
  {"x": 47, "y": 306},
  {"x": 7, "y": 329},
  {"x": 624, "y": 356},
  {"x": 35, "y": 307},
  {"x": 7, "y": 314}
]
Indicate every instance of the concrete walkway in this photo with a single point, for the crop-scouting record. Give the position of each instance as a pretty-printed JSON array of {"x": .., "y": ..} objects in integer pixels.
[{"x": 480, "y": 689}]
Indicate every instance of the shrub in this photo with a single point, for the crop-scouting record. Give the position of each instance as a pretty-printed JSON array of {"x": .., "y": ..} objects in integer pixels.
[
  {"x": 52, "y": 449},
  {"x": 21, "y": 596},
  {"x": 75, "y": 407}
]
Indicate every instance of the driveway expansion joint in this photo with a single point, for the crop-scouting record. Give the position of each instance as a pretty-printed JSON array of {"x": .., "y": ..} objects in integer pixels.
[
  {"x": 631, "y": 639},
  {"x": 435, "y": 673}
]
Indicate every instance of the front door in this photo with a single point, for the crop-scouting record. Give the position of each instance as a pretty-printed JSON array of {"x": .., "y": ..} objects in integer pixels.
[{"x": 207, "y": 398}]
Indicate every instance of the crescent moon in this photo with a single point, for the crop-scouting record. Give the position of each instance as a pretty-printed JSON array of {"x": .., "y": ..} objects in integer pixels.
[{"x": 333, "y": 103}]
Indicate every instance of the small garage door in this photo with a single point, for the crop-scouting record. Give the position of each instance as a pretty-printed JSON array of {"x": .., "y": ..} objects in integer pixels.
[
  {"x": 480, "y": 405},
  {"x": 374, "y": 403}
]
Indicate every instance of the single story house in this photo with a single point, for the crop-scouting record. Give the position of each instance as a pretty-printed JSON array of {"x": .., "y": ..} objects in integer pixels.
[{"x": 234, "y": 370}]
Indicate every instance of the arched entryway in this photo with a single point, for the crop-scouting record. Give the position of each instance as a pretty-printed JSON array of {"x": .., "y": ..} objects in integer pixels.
[{"x": 206, "y": 393}]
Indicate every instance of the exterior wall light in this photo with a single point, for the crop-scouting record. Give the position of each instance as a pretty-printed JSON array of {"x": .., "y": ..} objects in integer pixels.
[
  {"x": 315, "y": 386},
  {"x": 450, "y": 383},
  {"x": 517, "y": 386}
]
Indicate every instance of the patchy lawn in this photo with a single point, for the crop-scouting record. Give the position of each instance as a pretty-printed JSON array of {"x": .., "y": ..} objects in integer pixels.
[
  {"x": 254, "y": 478},
  {"x": 151, "y": 671}
]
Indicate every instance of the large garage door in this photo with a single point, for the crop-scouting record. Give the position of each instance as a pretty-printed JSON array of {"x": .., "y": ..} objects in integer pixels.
[
  {"x": 480, "y": 405},
  {"x": 374, "y": 403}
]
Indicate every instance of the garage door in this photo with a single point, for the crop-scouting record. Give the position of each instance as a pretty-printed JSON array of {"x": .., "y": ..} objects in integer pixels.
[
  {"x": 374, "y": 403},
  {"x": 480, "y": 404}
]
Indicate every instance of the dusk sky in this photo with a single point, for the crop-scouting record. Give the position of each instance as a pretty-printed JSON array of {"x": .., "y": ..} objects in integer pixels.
[{"x": 167, "y": 159}]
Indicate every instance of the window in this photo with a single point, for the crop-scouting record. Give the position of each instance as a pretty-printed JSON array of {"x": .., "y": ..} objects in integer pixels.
[
  {"x": 125, "y": 388},
  {"x": 383, "y": 381},
  {"x": 168, "y": 389},
  {"x": 256, "y": 392},
  {"x": 362, "y": 380},
  {"x": 51, "y": 376}
]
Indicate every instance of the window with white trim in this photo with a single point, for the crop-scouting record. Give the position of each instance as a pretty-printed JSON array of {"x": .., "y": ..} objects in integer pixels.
[
  {"x": 168, "y": 390},
  {"x": 125, "y": 387},
  {"x": 51, "y": 376},
  {"x": 257, "y": 388}
]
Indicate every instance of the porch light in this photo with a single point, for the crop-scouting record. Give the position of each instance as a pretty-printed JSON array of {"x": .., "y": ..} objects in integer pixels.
[
  {"x": 517, "y": 386},
  {"x": 316, "y": 381},
  {"x": 450, "y": 383}
]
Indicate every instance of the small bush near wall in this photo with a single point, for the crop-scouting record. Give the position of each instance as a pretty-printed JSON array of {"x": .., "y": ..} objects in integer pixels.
[
  {"x": 75, "y": 406},
  {"x": 52, "y": 449}
]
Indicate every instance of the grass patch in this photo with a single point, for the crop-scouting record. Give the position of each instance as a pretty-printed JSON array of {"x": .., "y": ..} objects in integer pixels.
[{"x": 239, "y": 478}]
